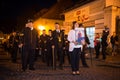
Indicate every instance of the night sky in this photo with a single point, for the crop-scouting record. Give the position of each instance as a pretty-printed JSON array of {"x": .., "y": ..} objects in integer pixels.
[{"x": 11, "y": 11}]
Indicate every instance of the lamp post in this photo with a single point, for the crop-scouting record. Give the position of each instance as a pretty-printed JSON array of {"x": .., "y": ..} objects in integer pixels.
[{"x": 41, "y": 28}]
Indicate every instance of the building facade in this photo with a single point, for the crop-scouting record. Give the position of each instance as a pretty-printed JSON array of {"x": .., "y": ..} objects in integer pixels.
[{"x": 95, "y": 15}]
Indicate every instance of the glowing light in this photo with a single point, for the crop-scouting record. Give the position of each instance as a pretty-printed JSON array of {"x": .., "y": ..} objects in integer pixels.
[{"x": 41, "y": 28}]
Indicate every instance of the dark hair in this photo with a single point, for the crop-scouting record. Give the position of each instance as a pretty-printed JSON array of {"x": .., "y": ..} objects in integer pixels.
[
  {"x": 44, "y": 30},
  {"x": 50, "y": 30},
  {"x": 30, "y": 21},
  {"x": 57, "y": 23},
  {"x": 73, "y": 23},
  {"x": 80, "y": 25}
]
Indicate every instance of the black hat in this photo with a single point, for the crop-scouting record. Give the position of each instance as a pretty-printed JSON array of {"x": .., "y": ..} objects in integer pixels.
[{"x": 30, "y": 21}]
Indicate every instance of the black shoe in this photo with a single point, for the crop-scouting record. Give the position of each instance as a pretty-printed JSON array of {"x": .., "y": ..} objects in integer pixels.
[
  {"x": 86, "y": 66},
  {"x": 31, "y": 68}
]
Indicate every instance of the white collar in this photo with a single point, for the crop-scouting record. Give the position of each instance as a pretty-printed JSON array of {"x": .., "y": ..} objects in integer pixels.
[{"x": 31, "y": 28}]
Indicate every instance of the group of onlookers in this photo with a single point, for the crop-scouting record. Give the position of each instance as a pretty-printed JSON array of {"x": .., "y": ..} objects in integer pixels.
[{"x": 105, "y": 42}]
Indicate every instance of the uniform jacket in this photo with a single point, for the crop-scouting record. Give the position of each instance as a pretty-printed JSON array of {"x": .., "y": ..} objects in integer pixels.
[
  {"x": 56, "y": 36},
  {"x": 30, "y": 38}
]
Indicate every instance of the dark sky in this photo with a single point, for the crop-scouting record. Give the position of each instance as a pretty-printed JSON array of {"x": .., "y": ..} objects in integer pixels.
[{"x": 11, "y": 10}]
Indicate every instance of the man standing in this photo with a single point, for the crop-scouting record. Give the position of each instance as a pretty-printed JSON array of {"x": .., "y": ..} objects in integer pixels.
[
  {"x": 58, "y": 44},
  {"x": 104, "y": 42},
  {"x": 44, "y": 45},
  {"x": 49, "y": 55},
  {"x": 13, "y": 41},
  {"x": 29, "y": 44}
]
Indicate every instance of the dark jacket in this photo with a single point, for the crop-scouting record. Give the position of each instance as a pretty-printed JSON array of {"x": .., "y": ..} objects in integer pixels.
[
  {"x": 30, "y": 38},
  {"x": 56, "y": 35},
  {"x": 13, "y": 41},
  {"x": 104, "y": 38},
  {"x": 44, "y": 41},
  {"x": 114, "y": 39}
]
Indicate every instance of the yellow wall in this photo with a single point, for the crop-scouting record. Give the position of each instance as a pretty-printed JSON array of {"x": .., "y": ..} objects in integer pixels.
[
  {"x": 101, "y": 13},
  {"x": 95, "y": 12},
  {"x": 47, "y": 23}
]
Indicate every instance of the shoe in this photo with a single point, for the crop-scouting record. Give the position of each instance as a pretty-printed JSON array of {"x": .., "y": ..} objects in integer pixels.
[
  {"x": 77, "y": 72},
  {"x": 86, "y": 66},
  {"x": 73, "y": 73},
  {"x": 31, "y": 68}
]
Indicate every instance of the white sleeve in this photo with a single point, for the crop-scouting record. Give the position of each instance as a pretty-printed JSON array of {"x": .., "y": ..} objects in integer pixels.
[{"x": 70, "y": 36}]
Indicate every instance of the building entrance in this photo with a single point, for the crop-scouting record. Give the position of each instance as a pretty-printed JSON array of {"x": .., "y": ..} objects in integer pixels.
[{"x": 90, "y": 31}]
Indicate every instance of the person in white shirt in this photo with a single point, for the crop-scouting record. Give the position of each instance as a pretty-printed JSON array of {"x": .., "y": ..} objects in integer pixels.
[{"x": 75, "y": 47}]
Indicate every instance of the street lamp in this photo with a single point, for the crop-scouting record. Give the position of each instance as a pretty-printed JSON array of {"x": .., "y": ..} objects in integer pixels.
[{"x": 41, "y": 28}]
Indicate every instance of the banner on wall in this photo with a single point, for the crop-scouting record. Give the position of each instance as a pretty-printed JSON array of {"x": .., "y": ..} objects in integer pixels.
[{"x": 82, "y": 14}]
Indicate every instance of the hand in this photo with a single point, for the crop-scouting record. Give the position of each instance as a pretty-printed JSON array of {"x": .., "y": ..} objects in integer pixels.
[
  {"x": 83, "y": 42},
  {"x": 53, "y": 46},
  {"x": 37, "y": 48},
  {"x": 63, "y": 48},
  {"x": 76, "y": 43},
  {"x": 20, "y": 45},
  {"x": 45, "y": 49}
]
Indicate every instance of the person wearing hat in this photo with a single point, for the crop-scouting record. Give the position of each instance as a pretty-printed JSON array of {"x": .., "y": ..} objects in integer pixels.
[
  {"x": 104, "y": 41},
  {"x": 29, "y": 44}
]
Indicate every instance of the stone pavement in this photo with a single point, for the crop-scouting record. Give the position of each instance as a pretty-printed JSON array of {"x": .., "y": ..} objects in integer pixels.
[{"x": 99, "y": 70}]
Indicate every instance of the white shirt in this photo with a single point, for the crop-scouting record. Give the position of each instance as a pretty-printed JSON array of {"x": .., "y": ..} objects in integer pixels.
[{"x": 71, "y": 38}]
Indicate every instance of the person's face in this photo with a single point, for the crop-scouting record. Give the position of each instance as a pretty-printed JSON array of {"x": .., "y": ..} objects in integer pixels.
[
  {"x": 14, "y": 33},
  {"x": 57, "y": 26},
  {"x": 97, "y": 35},
  {"x": 30, "y": 24},
  {"x": 49, "y": 32},
  {"x": 44, "y": 32},
  {"x": 76, "y": 25}
]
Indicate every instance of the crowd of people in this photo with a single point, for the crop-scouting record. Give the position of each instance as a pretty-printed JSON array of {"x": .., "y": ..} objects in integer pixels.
[{"x": 52, "y": 47}]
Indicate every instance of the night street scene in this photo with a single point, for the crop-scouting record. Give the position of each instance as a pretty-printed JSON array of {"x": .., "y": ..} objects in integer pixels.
[{"x": 60, "y": 40}]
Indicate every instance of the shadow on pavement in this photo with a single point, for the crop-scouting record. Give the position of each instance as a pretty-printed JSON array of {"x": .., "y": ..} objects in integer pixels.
[{"x": 111, "y": 66}]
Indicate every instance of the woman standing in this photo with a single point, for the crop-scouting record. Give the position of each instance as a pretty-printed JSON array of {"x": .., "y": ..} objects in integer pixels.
[{"x": 75, "y": 46}]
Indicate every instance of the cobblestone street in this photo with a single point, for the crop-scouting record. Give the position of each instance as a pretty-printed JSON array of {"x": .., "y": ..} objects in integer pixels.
[{"x": 99, "y": 70}]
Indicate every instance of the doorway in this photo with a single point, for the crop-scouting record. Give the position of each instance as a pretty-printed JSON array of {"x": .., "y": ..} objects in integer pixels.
[{"x": 90, "y": 31}]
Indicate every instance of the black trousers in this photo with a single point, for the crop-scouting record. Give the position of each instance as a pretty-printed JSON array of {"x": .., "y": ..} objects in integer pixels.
[
  {"x": 104, "y": 51},
  {"x": 83, "y": 60},
  {"x": 58, "y": 55},
  {"x": 75, "y": 56},
  {"x": 49, "y": 57},
  {"x": 43, "y": 55},
  {"x": 28, "y": 57},
  {"x": 13, "y": 52},
  {"x": 97, "y": 50}
]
